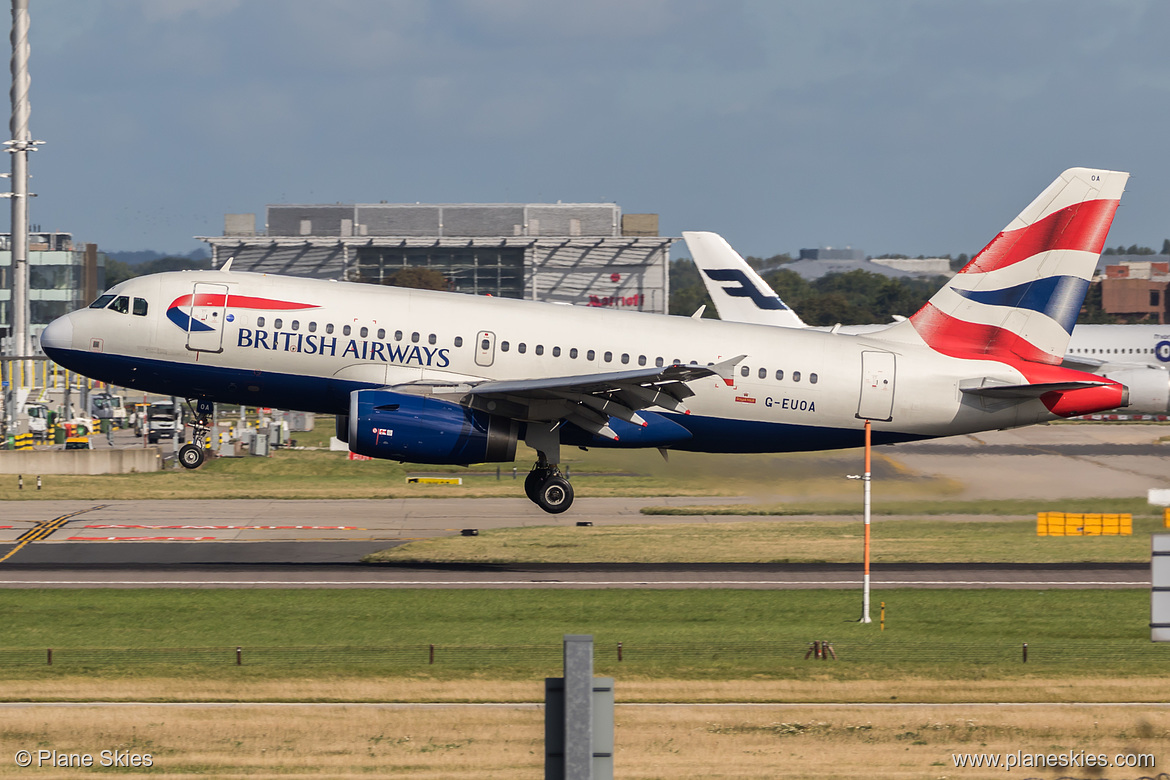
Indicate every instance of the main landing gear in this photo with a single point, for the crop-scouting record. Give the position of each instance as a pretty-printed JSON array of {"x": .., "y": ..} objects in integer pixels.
[
  {"x": 191, "y": 456},
  {"x": 548, "y": 489},
  {"x": 544, "y": 485}
]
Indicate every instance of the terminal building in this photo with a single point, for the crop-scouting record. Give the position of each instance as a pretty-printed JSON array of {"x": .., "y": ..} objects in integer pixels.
[
  {"x": 588, "y": 254},
  {"x": 62, "y": 276}
]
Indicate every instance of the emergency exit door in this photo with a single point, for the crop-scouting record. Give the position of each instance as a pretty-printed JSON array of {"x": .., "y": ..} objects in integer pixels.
[
  {"x": 877, "y": 386},
  {"x": 205, "y": 322},
  {"x": 485, "y": 348}
]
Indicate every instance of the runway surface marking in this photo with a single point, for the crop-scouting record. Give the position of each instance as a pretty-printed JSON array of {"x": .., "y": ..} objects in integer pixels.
[
  {"x": 540, "y": 705},
  {"x": 599, "y": 583},
  {"x": 140, "y": 538},
  {"x": 44, "y": 529},
  {"x": 235, "y": 527}
]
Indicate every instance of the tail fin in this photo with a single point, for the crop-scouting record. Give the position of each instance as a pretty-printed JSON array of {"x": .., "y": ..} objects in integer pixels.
[
  {"x": 738, "y": 292},
  {"x": 1020, "y": 296}
]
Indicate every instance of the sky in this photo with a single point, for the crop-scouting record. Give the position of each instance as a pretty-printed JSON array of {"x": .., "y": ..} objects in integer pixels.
[{"x": 911, "y": 126}]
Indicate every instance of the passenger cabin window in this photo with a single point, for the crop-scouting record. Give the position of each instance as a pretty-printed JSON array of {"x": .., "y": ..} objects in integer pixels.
[
  {"x": 278, "y": 324},
  {"x": 102, "y": 302},
  {"x": 744, "y": 370},
  {"x": 659, "y": 362},
  {"x": 485, "y": 345},
  {"x": 521, "y": 347},
  {"x": 121, "y": 304},
  {"x": 459, "y": 341},
  {"x": 432, "y": 339},
  {"x": 312, "y": 327},
  {"x": 328, "y": 327},
  {"x": 140, "y": 307},
  {"x": 608, "y": 357},
  {"x": 398, "y": 335},
  {"x": 503, "y": 345},
  {"x": 381, "y": 334},
  {"x": 296, "y": 324},
  {"x": 625, "y": 358},
  {"x": 345, "y": 330},
  {"x": 540, "y": 349},
  {"x": 414, "y": 338},
  {"x": 812, "y": 379},
  {"x": 364, "y": 331},
  {"x": 556, "y": 351},
  {"x": 590, "y": 355},
  {"x": 573, "y": 353},
  {"x": 260, "y": 323},
  {"x": 763, "y": 373},
  {"x": 641, "y": 360},
  {"x": 779, "y": 374},
  {"x": 795, "y": 376}
]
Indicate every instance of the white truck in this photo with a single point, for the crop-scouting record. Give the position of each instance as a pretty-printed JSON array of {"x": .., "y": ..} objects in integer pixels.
[{"x": 164, "y": 420}]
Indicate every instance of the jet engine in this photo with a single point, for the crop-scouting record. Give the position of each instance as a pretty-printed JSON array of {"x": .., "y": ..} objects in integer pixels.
[
  {"x": 423, "y": 429},
  {"x": 1149, "y": 387}
]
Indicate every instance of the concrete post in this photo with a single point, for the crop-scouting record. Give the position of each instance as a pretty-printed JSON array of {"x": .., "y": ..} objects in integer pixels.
[{"x": 578, "y": 707}]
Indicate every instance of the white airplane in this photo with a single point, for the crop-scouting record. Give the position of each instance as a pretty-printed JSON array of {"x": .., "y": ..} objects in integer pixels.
[
  {"x": 445, "y": 378},
  {"x": 1137, "y": 356}
]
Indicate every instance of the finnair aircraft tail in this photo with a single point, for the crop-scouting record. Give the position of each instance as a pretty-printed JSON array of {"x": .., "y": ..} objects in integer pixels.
[{"x": 740, "y": 295}]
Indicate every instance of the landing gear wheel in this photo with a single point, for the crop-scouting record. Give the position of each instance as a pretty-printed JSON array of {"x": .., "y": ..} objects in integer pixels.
[
  {"x": 533, "y": 481},
  {"x": 190, "y": 456},
  {"x": 554, "y": 495}
]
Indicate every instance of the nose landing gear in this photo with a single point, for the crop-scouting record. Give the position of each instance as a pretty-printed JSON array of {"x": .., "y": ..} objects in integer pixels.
[{"x": 191, "y": 456}]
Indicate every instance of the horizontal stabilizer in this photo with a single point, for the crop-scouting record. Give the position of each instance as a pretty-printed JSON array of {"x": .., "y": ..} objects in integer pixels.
[{"x": 990, "y": 388}]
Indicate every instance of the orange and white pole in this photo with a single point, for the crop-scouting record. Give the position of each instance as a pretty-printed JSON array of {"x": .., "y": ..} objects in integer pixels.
[{"x": 866, "y": 481}]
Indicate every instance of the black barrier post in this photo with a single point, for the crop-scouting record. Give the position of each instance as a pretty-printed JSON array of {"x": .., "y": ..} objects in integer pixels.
[
  {"x": 239, "y": 656},
  {"x": 619, "y": 652},
  {"x": 1025, "y": 652},
  {"x": 432, "y": 654},
  {"x": 50, "y": 656}
]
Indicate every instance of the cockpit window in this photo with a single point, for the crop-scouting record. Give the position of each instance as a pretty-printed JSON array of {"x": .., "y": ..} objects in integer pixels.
[
  {"x": 102, "y": 302},
  {"x": 140, "y": 307},
  {"x": 121, "y": 304}
]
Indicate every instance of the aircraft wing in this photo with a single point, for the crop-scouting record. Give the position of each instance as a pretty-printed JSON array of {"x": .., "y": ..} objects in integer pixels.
[
  {"x": 1079, "y": 363},
  {"x": 590, "y": 400}
]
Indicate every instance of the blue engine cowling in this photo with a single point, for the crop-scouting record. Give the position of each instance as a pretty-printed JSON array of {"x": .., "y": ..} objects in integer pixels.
[{"x": 419, "y": 429}]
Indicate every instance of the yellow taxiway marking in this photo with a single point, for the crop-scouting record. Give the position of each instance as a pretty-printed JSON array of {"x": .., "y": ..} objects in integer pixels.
[{"x": 45, "y": 529}]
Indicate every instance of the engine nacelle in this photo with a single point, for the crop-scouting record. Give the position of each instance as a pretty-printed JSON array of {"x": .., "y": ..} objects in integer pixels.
[
  {"x": 420, "y": 429},
  {"x": 1149, "y": 387}
]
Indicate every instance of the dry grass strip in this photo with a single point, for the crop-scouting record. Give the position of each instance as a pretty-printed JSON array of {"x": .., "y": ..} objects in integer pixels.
[{"x": 506, "y": 742}]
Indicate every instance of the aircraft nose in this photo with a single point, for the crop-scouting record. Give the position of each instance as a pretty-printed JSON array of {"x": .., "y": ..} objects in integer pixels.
[{"x": 58, "y": 335}]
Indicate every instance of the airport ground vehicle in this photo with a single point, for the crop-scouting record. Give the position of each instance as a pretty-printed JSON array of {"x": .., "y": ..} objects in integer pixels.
[
  {"x": 78, "y": 443},
  {"x": 163, "y": 420},
  {"x": 107, "y": 406}
]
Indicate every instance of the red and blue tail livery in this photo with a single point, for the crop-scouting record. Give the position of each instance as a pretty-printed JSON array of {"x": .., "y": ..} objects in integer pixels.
[{"x": 1019, "y": 298}]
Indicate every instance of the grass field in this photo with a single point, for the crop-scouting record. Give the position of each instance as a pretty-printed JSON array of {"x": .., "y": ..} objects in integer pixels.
[
  {"x": 780, "y": 541},
  {"x": 319, "y": 474},
  {"x": 483, "y": 635},
  {"x": 462, "y": 743}
]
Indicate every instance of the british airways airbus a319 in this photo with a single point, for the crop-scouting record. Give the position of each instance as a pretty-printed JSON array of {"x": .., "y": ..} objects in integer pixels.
[{"x": 446, "y": 378}]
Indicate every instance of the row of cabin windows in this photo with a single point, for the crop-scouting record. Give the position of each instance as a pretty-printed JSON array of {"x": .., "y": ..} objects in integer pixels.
[
  {"x": 1139, "y": 351},
  {"x": 362, "y": 332},
  {"x": 763, "y": 374},
  {"x": 625, "y": 358},
  {"x": 122, "y": 304}
]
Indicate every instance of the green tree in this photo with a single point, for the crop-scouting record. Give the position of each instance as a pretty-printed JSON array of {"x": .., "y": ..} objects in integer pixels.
[
  {"x": 418, "y": 279},
  {"x": 687, "y": 292}
]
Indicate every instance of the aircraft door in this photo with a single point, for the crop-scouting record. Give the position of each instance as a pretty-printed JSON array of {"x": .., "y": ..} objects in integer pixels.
[
  {"x": 485, "y": 348},
  {"x": 877, "y": 386},
  {"x": 205, "y": 323}
]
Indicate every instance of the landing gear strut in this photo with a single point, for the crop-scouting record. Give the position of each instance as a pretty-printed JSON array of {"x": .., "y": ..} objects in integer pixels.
[{"x": 191, "y": 456}]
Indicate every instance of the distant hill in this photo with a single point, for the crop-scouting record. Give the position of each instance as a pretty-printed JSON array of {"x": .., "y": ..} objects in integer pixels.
[{"x": 147, "y": 255}]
